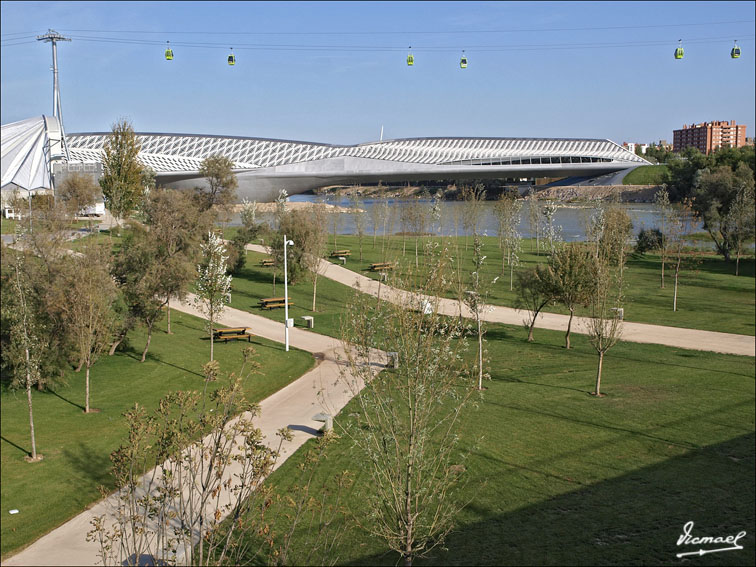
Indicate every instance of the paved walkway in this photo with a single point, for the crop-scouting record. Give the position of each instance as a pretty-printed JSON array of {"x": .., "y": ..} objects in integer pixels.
[
  {"x": 293, "y": 406},
  {"x": 679, "y": 337}
]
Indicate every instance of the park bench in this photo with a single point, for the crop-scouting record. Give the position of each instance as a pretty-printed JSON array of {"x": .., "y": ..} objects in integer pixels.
[
  {"x": 381, "y": 266},
  {"x": 271, "y": 302},
  {"x": 232, "y": 333},
  {"x": 267, "y": 262},
  {"x": 341, "y": 253}
]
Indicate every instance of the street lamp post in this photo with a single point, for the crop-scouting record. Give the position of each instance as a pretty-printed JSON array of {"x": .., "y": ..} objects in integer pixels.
[{"x": 286, "y": 294}]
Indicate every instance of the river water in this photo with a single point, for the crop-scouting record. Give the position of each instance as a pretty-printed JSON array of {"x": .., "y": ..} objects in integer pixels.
[{"x": 573, "y": 218}]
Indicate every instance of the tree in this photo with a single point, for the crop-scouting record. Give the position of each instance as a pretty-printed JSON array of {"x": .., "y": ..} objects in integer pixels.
[
  {"x": 315, "y": 243},
  {"x": 507, "y": 210},
  {"x": 681, "y": 172},
  {"x": 176, "y": 225},
  {"x": 533, "y": 293},
  {"x": 715, "y": 194},
  {"x": 28, "y": 336},
  {"x": 187, "y": 500},
  {"x": 474, "y": 197},
  {"x": 661, "y": 199},
  {"x": 408, "y": 413},
  {"x": 90, "y": 292},
  {"x": 213, "y": 285},
  {"x": 476, "y": 300},
  {"x": 78, "y": 191},
  {"x": 679, "y": 227},
  {"x": 648, "y": 240},
  {"x": 218, "y": 170},
  {"x": 122, "y": 178},
  {"x": 359, "y": 218},
  {"x": 534, "y": 216},
  {"x": 553, "y": 233},
  {"x": 571, "y": 271},
  {"x": 741, "y": 220}
]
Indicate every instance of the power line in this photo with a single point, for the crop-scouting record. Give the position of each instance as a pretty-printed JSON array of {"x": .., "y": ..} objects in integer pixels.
[{"x": 412, "y": 32}]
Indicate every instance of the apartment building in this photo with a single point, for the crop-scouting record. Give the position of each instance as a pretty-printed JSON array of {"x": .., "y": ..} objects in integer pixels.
[{"x": 708, "y": 136}]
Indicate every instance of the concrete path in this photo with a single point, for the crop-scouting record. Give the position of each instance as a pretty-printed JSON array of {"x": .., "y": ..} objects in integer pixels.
[
  {"x": 678, "y": 337},
  {"x": 320, "y": 389}
]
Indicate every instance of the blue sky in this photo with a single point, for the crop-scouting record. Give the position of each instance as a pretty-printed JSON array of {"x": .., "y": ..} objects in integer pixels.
[{"x": 335, "y": 71}]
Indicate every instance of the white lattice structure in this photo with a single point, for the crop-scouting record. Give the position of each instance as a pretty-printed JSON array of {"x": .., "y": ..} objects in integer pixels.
[{"x": 265, "y": 166}]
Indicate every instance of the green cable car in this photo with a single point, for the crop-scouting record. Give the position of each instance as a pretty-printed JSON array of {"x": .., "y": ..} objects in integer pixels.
[
  {"x": 735, "y": 53},
  {"x": 679, "y": 52},
  {"x": 463, "y": 61},
  {"x": 168, "y": 52},
  {"x": 410, "y": 57},
  {"x": 231, "y": 57}
]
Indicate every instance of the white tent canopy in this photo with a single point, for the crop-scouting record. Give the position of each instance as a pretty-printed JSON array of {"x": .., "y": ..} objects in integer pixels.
[{"x": 28, "y": 146}]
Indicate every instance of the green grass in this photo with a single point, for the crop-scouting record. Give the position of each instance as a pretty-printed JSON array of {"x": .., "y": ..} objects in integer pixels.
[
  {"x": 555, "y": 476},
  {"x": 76, "y": 446},
  {"x": 646, "y": 175},
  {"x": 710, "y": 296},
  {"x": 7, "y": 226}
]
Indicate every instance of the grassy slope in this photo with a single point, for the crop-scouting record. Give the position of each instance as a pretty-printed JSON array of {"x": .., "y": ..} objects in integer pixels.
[
  {"x": 558, "y": 477},
  {"x": 76, "y": 446},
  {"x": 710, "y": 296},
  {"x": 646, "y": 175}
]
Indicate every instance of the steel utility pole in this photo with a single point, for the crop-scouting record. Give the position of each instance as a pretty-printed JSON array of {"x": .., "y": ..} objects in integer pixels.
[{"x": 53, "y": 37}]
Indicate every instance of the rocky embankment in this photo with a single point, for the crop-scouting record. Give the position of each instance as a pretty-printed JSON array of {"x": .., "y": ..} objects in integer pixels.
[{"x": 625, "y": 193}]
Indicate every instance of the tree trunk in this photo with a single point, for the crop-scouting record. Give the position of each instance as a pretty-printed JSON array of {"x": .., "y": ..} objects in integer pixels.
[
  {"x": 416, "y": 265},
  {"x": 677, "y": 273},
  {"x": 598, "y": 373},
  {"x": 530, "y": 330},
  {"x": 314, "y": 289},
  {"x": 86, "y": 404},
  {"x": 149, "y": 338},
  {"x": 29, "y": 401},
  {"x": 274, "y": 282},
  {"x": 168, "y": 309},
  {"x": 511, "y": 276},
  {"x": 117, "y": 342},
  {"x": 81, "y": 364},
  {"x": 737, "y": 261},
  {"x": 662, "y": 274},
  {"x": 569, "y": 326},
  {"x": 211, "y": 340}
]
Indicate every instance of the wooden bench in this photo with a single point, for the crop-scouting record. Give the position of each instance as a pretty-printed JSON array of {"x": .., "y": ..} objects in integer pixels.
[
  {"x": 380, "y": 266},
  {"x": 271, "y": 302},
  {"x": 267, "y": 262},
  {"x": 232, "y": 333},
  {"x": 340, "y": 253}
]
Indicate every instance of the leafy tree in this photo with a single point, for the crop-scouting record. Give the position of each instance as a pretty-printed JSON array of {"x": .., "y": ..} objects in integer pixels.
[
  {"x": 681, "y": 172},
  {"x": 473, "y": 197},
  {"x": 534, "y": 291},
  {"x": 409, "y": 413},
  {"x": 741, "y": 220},
  {"x": 123, "y": 178},
  {"x": 315, "y": 242},
  {"x": 218, "y": 171},
  {"x": 78, "y": 191},
  {"x": 714, "y": 196},
  {"x": 649, "y": 239},
  {"x": 570, "y": 277},
  {"x": 89, "y": 294},
  {"x": 213, "y": 285},
  {"x": 176, "y": 226}
]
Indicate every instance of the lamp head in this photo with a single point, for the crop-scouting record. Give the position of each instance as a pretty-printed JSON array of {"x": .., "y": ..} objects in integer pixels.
[{"x": 290, "y": 242}]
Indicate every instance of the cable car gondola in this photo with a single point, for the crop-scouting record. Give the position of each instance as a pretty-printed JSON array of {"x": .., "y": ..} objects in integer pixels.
[
  {"x": 679, "y": 52},
  {"x": 231, "y": 57},
  {"x": 463, "y": 61},
  {"x": 735, "y": 53},
  {"x": 168, "y": 51},
  {"x": 410, "y": 57}
]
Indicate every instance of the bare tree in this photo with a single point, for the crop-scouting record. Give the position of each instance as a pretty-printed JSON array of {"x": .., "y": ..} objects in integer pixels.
[
  {"x": 474, "y": 198},
  {"x": 534, "y": 218},
  {"x": 358, "y": 216},
  {"x": 476, "y": 300},
  {"x": 661, "y": 199},
  {"x": 407, "y": 409},
  {"x": 185, "y": 500},
  {"x": 552, "y": 232},
  {"x": 213, "y": 284},
  {"x": 507, "y": 210},
  {"x": 680, "y": 224}
]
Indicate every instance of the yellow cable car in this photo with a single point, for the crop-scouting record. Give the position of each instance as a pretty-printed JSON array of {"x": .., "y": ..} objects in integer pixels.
[
  {"x": 168, "y": 51},
  {"x": 735, "y": 53},
  {"x": 679, "y": 52},
  {"x": 410, "y": 57},
  {"x": 231, "y": 57},
  {"x": 463, "y": 61}
]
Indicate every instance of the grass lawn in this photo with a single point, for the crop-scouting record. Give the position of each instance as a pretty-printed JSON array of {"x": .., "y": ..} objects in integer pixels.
[
  {"x": 7, "y": 226},
  {"x": 646, "y": 175},
  {"x": 76, "y": 446},
  {"x": 710, "y": 296},
  {"x": 555, "y": 476}
]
